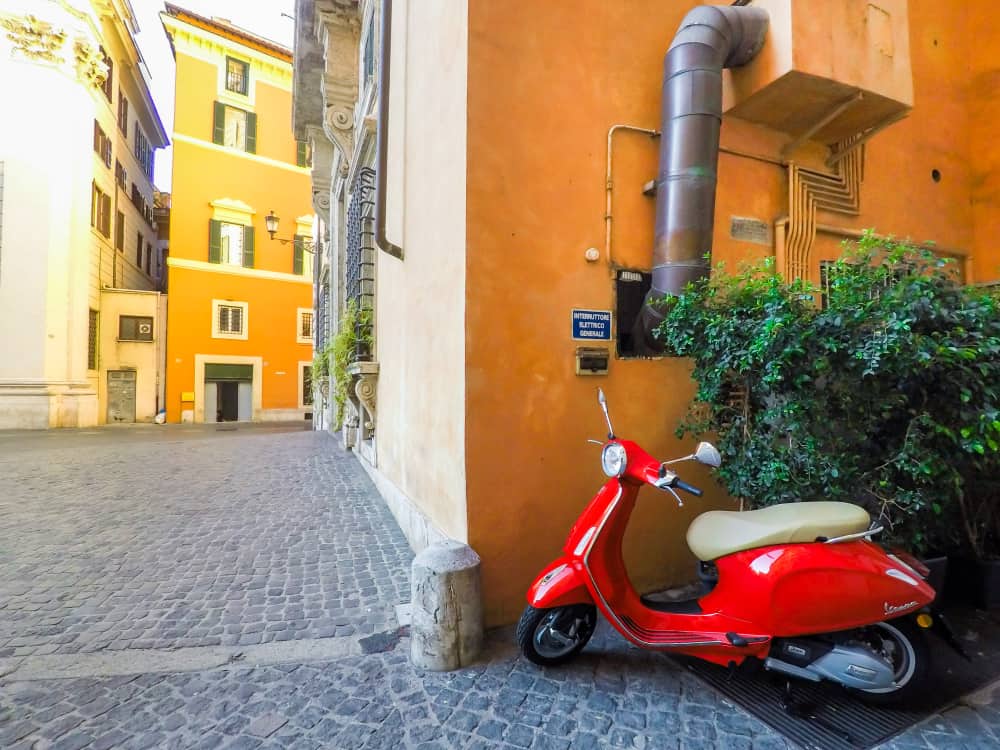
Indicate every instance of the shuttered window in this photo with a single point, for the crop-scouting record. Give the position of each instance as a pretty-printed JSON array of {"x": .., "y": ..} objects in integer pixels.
[
  {"x": 235, "y": 128},
  {"x": 122, "y": 113},
  {"x": 298, "y": 256},
  {"x": 102, "y": 144},
  {"x": 120, "y": 231},
  {"x": 230, "y": 244},
  {"x": 100, "y": 210},
  {"x": 107, "y": 87},
  {"x": 92, "y": 341},
  {"x": 303, "y": 154}
]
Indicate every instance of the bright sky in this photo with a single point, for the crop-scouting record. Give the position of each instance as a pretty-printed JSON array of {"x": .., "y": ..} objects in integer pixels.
[{"x": 262, "y": 17}]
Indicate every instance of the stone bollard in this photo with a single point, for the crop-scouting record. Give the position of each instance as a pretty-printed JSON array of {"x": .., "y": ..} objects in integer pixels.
[{"x": 446, "y": 629}]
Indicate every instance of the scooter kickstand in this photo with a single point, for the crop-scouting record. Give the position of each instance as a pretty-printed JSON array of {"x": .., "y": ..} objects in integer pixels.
[{"x": 805, "y": 711}]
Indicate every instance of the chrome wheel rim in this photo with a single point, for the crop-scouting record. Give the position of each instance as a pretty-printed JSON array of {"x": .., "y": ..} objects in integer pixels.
[
  {"x": 898, "y": 651},
  {"x": 559, "y": 632}
]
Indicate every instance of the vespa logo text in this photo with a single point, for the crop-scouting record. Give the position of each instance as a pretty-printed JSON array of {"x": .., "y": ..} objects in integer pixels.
[{"x": 891, "y": 609}]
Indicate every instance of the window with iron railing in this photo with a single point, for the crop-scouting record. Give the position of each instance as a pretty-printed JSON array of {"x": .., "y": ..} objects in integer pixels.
[
  {"x": 359, "y": 261},
  {"x": 237, "y": 76}
]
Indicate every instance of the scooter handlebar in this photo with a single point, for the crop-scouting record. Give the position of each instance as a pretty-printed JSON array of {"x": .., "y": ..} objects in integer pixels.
[{"x": 681, "y": 485}]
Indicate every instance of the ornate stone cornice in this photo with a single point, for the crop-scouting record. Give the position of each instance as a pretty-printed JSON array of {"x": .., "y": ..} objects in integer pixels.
[
  {"x": 70, "y": 51},
  {"x": 338, "y": 31}
]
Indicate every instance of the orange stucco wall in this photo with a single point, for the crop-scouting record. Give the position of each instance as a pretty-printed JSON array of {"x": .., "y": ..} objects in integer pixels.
[
  {"x": 542, "y": 96},
  {"x": 270, "y": 180}
]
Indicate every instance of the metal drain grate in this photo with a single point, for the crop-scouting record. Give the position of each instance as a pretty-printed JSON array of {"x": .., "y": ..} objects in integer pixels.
[{"x": 827, "y": 717}]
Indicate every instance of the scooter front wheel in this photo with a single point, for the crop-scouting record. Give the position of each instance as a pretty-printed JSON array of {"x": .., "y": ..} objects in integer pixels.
[{"x": 554, "y": 636}]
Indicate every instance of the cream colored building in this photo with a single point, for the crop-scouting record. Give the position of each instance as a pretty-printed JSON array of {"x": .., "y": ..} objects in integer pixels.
[{"x": 76, "y": 215}]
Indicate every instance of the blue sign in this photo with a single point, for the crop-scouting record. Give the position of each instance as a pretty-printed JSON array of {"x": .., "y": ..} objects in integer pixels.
[{"x": 592, "y": 325}]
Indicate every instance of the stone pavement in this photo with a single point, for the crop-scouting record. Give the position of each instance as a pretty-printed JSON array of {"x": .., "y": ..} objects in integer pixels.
[
  {"x": 211, "y": 589},
  {"x": 612, "y": 697},
  {"x": 153, "y": 541}
]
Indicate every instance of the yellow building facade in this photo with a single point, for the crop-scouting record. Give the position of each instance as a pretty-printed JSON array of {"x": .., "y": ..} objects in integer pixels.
[
  {"x": 240, "y": 319},
  {"x": 81, "y": 315}
]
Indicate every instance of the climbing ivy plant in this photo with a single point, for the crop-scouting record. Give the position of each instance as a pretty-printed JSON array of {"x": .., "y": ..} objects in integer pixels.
[{"x": 887, "y": 394}]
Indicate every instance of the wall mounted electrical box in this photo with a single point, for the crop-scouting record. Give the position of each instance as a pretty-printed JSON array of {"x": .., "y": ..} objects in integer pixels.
[{"x": 592, "y": 360}]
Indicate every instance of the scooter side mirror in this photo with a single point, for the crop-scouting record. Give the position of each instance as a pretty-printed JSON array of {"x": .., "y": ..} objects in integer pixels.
[
  {"x": 600, "y": 397},
  {"x": 707, "y": 454}
]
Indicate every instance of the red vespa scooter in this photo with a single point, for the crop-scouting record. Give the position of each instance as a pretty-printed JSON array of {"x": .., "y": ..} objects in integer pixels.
[{"x": 800, "y": 587}]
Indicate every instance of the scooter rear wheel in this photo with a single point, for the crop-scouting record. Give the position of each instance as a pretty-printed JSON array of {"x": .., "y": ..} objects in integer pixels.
[
  {"x": 904, "y": 645},
  {"x": 554, "y": 636}
]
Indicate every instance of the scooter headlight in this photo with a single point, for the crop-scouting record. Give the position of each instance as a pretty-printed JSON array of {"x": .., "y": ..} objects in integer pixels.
[{"x": 613, "y": 460}]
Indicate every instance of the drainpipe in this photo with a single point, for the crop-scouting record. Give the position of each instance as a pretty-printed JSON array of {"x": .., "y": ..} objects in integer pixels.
[
  {"x": 382, "y": 134},
  {"x": 710, "y": 38}
]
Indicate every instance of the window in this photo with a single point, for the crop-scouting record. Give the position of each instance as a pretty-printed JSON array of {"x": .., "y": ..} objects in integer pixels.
[
  {"x": 120, "y": 231},
  {"x": 304, "y": 326},
  {"x": 149, "y": 258},
  {"x": 138, "y": 249},
  {"x": 303, "y": 153},
  {"x": 100, "y": 210},
  {"x": 230, "y": 244},
  {"x": 122, "y": 113},
  {"x": 143, "y": 152},
  {"x": 135, "y": 328},
  {"x": 235, "y": 128},
  {"x": 102, "y": 144},
  {"x": 92, "y": 341},
  {"x": 299, "y": 255},
  {"x": 121, "y": 175},
  {"x": 368, "y": 59},
  {"x": 307, "y": 385},
  {"x": 229, "y": 319},
  {"x": 237, "y": 76},
  {"x": 107, "y": 87}
]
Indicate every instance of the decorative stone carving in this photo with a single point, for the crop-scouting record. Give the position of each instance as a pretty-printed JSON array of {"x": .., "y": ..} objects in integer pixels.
[
  {"x": 43, "y": 42},
  {"x": 349, "y": 430},
  {"x": 91, "y": 69},
  {"x": 362, "y": 389},
  {"x": 365, "y": 390},
  {"x": 339, "y": 34},
  {"x": 35, "y": 39}
]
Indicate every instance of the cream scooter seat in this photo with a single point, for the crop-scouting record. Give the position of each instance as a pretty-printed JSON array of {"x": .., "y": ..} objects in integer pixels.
[{"x": 721, "y": 532}]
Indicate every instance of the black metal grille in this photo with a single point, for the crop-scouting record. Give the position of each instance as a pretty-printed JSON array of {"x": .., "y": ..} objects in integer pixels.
[
  {"x": 359, "y": 266},
  {"x": 324, "y": 310}
]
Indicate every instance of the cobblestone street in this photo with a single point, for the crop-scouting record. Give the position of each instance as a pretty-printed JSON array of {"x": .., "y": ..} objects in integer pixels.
[{"x": 198, "y": 588}]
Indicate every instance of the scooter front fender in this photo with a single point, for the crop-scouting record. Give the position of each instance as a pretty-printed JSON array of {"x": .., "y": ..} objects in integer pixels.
[{"x": 561, "y": 584}]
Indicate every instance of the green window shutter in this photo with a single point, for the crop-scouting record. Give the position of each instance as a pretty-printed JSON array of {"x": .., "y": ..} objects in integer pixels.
[
  {"x": 297, "y": 259},
  {"x": 248, "y": 247},
  {"x": 300, "y": 153},
  {"x": 214, "y": 241},
  {"x": 219, "y": 126},
  {"x": 251, "y": 133}
]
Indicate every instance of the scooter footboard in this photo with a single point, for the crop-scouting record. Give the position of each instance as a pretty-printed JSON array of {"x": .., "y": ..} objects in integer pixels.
[{"x": 559, "y": 585}]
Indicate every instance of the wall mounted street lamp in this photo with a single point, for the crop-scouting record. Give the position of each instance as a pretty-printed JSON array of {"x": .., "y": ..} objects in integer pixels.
[{"x": 271, "y": 224}]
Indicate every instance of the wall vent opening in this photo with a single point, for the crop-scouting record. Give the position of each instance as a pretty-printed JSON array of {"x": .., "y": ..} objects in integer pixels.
[{"x": 631, "y": 288}]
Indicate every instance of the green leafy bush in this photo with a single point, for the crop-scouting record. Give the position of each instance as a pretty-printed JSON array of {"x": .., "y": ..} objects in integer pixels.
[
  {"x": 887, "y": 395},
  {"x": 339, "y": 353}
]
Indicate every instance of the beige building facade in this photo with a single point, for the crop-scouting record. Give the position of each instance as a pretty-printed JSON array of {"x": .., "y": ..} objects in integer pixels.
[{"x": 77, "y": 207}]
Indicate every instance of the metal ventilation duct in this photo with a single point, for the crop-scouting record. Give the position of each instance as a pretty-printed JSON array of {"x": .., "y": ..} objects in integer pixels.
[{"x": 710, "y": 38}]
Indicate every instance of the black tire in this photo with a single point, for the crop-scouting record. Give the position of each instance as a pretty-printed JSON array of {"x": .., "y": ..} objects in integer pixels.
[
  {"x": 905, "y": 644},
  {"x": 554, "y": 636}
]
